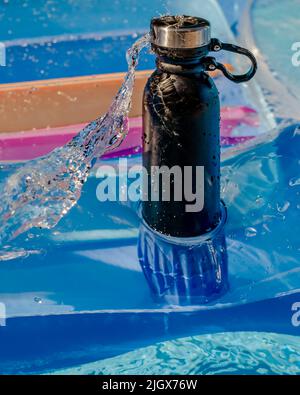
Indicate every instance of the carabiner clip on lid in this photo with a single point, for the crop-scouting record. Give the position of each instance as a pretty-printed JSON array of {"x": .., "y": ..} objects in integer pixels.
[{"x": 211, "y": 64}]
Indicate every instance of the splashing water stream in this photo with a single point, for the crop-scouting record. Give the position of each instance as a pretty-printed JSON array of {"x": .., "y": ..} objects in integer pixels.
[{"x": 43, "y": 190}]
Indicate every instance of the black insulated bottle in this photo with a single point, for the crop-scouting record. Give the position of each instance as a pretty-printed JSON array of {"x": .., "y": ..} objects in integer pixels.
[{"x": 181, "y": 127}]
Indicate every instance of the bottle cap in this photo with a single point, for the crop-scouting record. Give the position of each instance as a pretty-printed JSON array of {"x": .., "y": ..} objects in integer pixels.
[{"x": 180, "y": 32}]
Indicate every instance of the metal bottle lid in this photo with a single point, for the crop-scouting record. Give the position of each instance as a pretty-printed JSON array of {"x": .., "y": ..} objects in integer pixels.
[{"x": 180, "y": 32}]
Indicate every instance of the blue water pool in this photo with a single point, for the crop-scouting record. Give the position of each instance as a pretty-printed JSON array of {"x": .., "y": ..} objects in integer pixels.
[{"x": 222, "y": 353}]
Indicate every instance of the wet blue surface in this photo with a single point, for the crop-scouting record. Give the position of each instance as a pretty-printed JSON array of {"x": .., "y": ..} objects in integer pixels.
[
  {"x": 71, "y": 58},
  {"x": 40, "y": 343},
  {"x": 269, "y": 20},
  {"x": 56, "y": 39},
  {"x": 80, "y": 295}
]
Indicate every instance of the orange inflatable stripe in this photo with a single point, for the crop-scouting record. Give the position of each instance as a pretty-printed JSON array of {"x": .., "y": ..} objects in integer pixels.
[{"x": 64, "y": 101}]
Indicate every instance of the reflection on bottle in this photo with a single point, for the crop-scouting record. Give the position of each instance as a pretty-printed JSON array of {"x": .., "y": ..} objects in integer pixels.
[{"x": 187, "y": 270}]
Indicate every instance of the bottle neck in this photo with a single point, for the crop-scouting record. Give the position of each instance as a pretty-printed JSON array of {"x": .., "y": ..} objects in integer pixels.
[
  {"x": 180, "y": 68},
  {"x": 180, "y": 61}
]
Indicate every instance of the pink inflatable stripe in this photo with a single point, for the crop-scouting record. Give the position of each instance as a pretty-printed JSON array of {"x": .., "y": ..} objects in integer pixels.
[{"x": 27, "y": 145}]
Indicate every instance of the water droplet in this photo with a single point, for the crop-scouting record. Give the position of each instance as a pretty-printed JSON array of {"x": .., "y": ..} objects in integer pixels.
[
  {"x": 294, "y": 181},
  {"x": 283, "y": 207},
  {"x": 272, "y": 155},
  {"x": 266, "y": 227},
  {"x": 32, "y": 89},
  {"x": 259, "y": 201},
  {"x": 250, "y": 232}
]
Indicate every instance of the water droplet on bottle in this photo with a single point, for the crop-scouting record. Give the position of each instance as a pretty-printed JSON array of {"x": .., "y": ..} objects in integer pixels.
[{"x": 250, "y": 232}]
